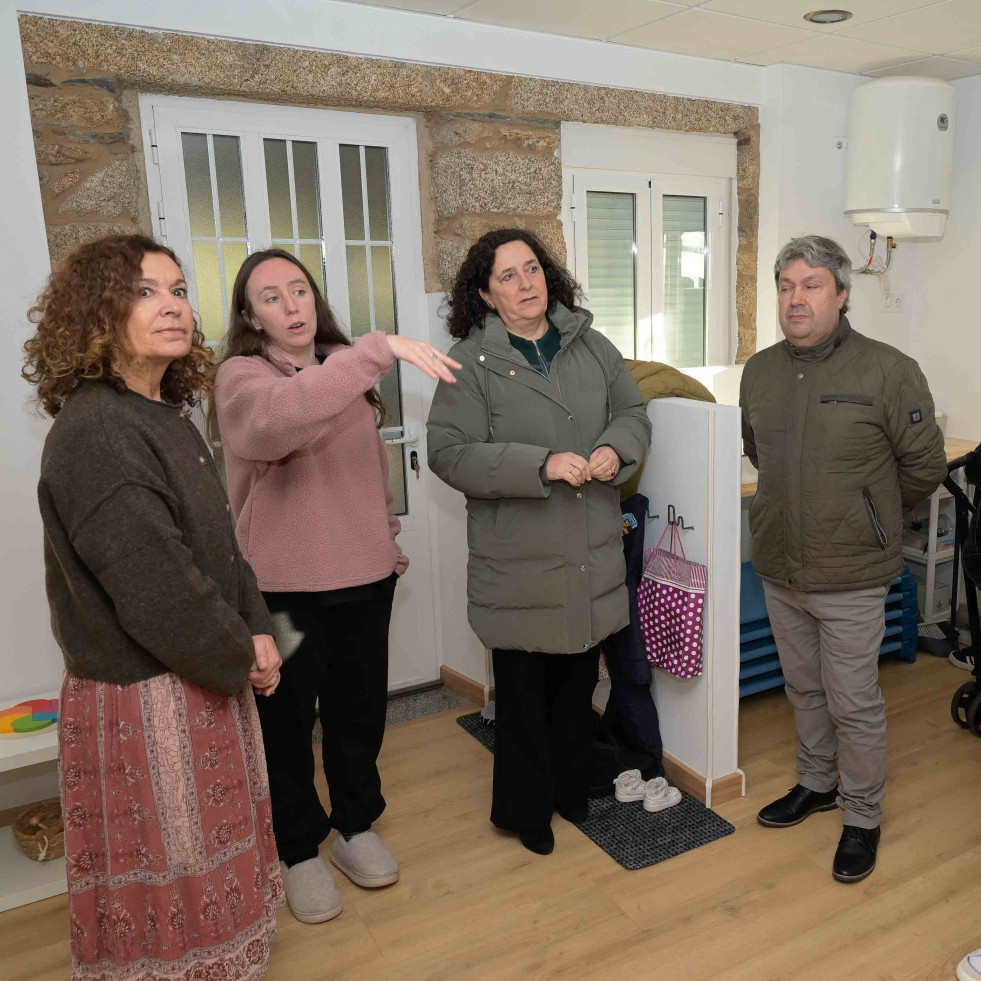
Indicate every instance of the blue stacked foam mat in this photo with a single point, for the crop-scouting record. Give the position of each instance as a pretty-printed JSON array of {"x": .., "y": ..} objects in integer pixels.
[{"x": 759, "y": 665}]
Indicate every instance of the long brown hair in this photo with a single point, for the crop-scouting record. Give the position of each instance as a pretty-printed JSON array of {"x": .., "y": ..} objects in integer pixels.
[
  {"x": 81, "y": 316},
  {"x": 243, "y": 340}
]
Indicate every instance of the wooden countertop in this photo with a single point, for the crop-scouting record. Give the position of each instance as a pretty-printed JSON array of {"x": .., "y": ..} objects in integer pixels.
[{"x": 953, "y": 446}]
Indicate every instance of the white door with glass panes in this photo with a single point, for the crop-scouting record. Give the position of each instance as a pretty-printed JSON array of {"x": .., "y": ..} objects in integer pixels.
[
  {"x": 340, "y": 191},
  {"x": 652, "y": 254}
]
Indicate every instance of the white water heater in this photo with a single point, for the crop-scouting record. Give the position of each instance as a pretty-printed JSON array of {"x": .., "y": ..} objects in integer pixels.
[{"x": 900, "y": 156}]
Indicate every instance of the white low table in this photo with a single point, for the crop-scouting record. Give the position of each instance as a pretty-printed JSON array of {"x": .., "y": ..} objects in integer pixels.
[{"x": 21, "y": 880}]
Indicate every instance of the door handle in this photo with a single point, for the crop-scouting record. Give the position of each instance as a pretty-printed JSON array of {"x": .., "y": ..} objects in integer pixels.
[{"x": 408, "y": 437}]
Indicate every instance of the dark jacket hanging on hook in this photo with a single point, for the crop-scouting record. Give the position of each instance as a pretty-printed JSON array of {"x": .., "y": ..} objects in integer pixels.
[{"x": 630, "y": 711}]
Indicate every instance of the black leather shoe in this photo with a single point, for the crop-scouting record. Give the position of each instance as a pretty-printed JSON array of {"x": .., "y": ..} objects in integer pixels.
[
  {"x": 795, "y": 806},
  {"x": 541, "y": 841},
  {"x": 855, "y": 856}
]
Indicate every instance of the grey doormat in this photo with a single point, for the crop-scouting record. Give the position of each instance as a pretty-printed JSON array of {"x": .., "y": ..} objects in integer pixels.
[{"x": 628, "y": 833}]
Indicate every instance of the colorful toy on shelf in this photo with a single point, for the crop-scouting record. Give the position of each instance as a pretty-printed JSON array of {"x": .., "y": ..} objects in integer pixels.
[{"x": 26, "y": 718}]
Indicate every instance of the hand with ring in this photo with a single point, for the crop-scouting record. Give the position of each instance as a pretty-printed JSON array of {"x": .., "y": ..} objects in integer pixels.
[
  {"x": 604, "y": 464},
  {"x": 570, "y": 467}
]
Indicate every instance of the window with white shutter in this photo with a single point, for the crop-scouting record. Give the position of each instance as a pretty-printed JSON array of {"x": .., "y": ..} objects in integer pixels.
[{"x": 652, "y": 252}]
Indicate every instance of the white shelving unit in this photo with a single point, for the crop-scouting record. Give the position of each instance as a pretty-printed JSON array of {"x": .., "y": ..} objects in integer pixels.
[
  {"x": 21, "y": 880},
  {"x": 932, "y": 559}
]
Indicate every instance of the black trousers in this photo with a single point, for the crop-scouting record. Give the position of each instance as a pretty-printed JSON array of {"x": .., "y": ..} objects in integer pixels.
[
  {"x": 631, "y": 712},
  {"x": 336, "y": 652},
  {"x": 542, "y": 733}
]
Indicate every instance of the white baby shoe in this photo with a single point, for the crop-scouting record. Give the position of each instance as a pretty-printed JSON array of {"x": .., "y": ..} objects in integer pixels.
[
  {"x": 630, "y": 785},
  {"x": 659, "y": 795}
]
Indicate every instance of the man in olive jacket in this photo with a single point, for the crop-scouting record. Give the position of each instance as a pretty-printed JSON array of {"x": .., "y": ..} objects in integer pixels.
[{"x": 843, "y": 432}]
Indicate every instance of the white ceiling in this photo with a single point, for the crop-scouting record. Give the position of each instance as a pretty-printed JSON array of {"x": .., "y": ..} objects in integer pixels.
[{"x": 940, "y": 38}]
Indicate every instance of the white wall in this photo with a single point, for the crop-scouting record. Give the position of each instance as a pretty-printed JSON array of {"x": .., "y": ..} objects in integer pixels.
[
  {"x": 946, "y": 331},
  {"x": 29, "y": 659},
  {"x": 802, "y": 191}
]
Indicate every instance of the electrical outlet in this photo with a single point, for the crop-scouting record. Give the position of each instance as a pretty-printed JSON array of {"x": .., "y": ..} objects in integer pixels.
[{"x": 895, "y": 303}]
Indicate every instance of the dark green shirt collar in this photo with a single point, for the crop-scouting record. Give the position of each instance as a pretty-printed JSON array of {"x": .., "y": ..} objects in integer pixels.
[
  {"x": 538, "y": 353},
  {"x": 569, "y": 324}
]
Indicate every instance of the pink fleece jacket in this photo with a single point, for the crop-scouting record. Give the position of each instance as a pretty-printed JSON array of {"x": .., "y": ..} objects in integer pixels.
[{"x": 307, "y": 469}]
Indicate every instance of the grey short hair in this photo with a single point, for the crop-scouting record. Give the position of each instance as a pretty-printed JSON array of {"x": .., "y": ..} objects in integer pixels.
[{"x": 817, "y": 251}]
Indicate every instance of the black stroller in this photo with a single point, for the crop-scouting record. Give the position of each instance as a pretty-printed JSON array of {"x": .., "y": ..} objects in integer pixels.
[{"x": 966, "y": 704}]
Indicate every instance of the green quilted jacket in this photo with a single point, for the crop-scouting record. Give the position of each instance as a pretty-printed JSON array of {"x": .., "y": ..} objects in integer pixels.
[
  {"x": 546, "y": 570},
  {"x": 844, "y": 437}
]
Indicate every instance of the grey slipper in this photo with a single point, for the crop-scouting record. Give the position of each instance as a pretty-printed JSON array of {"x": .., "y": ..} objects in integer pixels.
[
  {"x": 310, "y": 891},
  {"x": 365, "y": 860}
]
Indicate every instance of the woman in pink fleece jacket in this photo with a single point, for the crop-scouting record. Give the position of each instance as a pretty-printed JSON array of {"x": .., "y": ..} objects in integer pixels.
[{"x": 307, "y": 478}]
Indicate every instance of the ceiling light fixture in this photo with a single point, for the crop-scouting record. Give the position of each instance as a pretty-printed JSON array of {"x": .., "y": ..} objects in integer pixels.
[{"x": 827, "y": 16}]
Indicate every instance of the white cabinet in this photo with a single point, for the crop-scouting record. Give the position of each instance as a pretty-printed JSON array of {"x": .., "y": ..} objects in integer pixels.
[{"x": 694, "y": 464}]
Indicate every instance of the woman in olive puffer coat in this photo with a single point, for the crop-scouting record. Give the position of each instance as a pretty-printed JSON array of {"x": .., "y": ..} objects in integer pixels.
[{"x": 541, "y": 428}]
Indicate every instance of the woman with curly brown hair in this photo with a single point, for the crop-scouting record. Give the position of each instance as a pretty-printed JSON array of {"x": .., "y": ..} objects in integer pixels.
[
  {"x": 172, "y": 864},
  {"x": 541, "y": 428}
]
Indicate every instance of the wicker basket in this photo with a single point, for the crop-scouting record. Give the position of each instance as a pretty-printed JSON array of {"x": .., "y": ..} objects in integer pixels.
[{"x": 40, "y": 831}]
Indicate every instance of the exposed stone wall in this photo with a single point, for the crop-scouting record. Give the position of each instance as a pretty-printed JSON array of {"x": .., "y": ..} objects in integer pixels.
[
  {"x": 488, "y": 143},
  {"x": 488, "y": 170},
  {"x": 748, "y": 227},
  {"x": 91, "y": 180}
]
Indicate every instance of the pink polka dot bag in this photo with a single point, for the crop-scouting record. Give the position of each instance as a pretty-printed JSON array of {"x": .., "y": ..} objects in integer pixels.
[{"x": 671, "y": 602}]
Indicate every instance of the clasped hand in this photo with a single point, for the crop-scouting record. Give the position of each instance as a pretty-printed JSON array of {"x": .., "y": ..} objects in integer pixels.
[
  {"x": 264, "y": 676},
  {"x": 603, "y": 464}
]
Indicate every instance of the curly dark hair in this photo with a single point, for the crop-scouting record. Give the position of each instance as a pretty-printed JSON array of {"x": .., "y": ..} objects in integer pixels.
[
  {"x": 466, "y": 309},
  {"x": 243, "y": 340},
  {"x": 80, "y": 318}
]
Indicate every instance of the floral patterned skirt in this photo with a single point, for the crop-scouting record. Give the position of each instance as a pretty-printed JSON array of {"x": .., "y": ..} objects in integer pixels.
[{"x": 172, "y": 866}]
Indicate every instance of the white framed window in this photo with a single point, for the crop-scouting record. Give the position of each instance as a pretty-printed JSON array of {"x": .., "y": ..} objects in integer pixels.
[
  {"x": 338, "y": 190},
  {"x": 652, "y": 254},
  {"x": 653, "y": 249},
  {"x": 612, "y": 229}
]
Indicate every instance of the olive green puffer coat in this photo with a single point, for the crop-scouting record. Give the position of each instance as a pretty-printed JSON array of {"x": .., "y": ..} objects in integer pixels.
[
  {"x": 845, "y": 437},
  {"x": 546, "y": 570}
]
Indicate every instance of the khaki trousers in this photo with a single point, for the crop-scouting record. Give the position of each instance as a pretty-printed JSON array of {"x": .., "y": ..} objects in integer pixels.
[{"x": 829, "y": 651}]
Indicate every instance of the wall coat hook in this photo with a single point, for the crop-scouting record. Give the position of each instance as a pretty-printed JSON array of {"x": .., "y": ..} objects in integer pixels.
[{"x": 676, "y": 519}]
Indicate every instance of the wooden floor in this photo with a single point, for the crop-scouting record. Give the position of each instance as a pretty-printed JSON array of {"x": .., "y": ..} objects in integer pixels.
[{"x": 758, "y": 905}]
